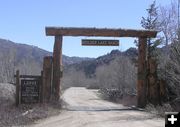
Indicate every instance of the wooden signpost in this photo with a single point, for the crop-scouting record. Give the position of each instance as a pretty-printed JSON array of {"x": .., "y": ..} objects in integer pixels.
[
  {"x": 47, "y": 86},
  {"x": 90, "y": 42},
  {"x": 60, "y": 32},
  {"x": 28, "y": 89}
]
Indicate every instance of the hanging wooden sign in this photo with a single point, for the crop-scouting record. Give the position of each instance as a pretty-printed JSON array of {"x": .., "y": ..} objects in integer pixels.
[{"x": 90, "y": 42}]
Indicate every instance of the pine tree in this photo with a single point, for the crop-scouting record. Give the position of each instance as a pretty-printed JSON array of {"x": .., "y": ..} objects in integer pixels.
[{"x": 151, "y": 23}]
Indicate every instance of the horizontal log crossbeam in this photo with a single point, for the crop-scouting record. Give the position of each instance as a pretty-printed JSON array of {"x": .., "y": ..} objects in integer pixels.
[{"x": 101, "y": 32}]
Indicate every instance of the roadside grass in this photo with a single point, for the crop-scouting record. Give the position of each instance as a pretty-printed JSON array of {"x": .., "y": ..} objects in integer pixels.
[{"x": 24, "y": 114}]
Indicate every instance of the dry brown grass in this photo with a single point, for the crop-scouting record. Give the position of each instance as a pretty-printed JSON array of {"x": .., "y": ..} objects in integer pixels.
[
  {"x": 10, "y": 115},
  {"x": 159, "y": 110}
]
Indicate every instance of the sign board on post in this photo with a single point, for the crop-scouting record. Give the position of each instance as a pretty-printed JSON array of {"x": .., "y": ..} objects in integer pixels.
[
  {"x": 30, "y": 91},
  {"x": 90, "y": 42}
]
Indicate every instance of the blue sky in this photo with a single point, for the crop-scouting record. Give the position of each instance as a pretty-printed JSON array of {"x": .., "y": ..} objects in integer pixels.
[{"x": 24, "y": 21}]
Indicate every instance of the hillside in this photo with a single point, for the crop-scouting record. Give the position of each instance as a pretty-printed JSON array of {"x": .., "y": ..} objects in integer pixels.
[
  {"x": 89, "y": 66},
  {"x": 28, "y": 59}
]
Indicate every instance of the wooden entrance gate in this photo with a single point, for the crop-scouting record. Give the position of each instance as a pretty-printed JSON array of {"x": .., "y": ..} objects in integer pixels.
[{"x": 142, "y": 35}]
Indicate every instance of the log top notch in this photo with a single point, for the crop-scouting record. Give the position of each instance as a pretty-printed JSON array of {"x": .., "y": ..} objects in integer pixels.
[{"x": 99, "y": 32}]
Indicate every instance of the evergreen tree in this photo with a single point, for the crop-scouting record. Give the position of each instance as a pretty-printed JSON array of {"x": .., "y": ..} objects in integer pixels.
[{"x": 151, "y": 23}]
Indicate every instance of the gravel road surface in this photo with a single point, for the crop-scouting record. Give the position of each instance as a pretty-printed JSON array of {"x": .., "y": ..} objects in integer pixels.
[{"x": 83, "y": 108}]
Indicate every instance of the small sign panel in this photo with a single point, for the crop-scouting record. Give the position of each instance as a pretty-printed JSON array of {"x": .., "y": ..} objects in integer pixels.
[
  {"x": 89, "y": 42},
  {"x": 29, "y": 91}
]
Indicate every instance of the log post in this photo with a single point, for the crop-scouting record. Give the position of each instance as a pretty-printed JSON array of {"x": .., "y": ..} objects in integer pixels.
[
  {"x": 41, "y": 88},
  {"x": 163, "y": 95},
  {"x": 47, "y": 72},
  {"x": 142, "y": 73},
  {"x": 17, "y": 88},
  {"x": 153, "y": 85},
  {"x": 57, "y": 64}
]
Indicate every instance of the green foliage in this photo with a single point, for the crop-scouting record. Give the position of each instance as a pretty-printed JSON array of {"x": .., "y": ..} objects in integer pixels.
[
  {"x": 151, "y": 21},
  {"x": 153, "y": 48}
]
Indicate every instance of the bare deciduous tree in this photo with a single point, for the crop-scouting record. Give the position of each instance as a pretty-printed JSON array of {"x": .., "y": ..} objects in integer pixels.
[
  {"x": 119, "y": 74},
  {"x": 74, "y": 78},
  {"x": 168, "y": 17}
]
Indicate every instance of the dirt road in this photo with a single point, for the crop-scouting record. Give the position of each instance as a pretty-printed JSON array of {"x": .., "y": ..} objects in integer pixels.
[{"x": 83, "y": 108}]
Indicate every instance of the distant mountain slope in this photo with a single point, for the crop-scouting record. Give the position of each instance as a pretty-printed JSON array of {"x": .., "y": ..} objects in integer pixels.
[
  {"x": 89, "y": 66},
  {"x": 28, "y": 59}
]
